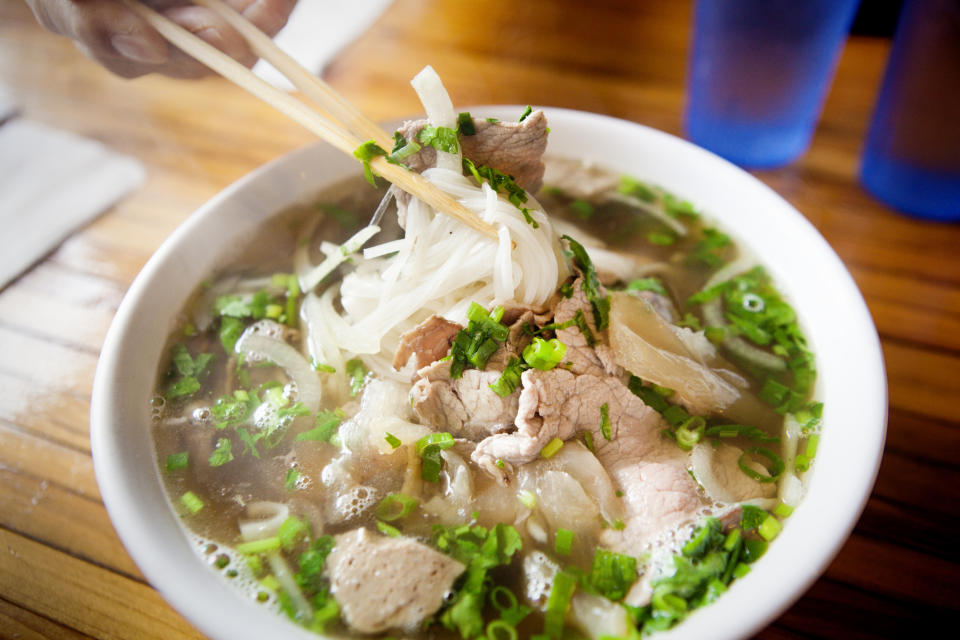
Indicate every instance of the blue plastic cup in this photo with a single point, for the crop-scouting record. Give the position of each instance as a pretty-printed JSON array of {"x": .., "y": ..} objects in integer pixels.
[
  {"x": 759, "y": 73},
  {"x": 912, "y": 157}
]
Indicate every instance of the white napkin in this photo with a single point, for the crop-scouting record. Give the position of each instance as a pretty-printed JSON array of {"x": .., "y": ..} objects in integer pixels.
[
  {"x": 317, "y": 30},
  {"x": 51, "y": 183}
]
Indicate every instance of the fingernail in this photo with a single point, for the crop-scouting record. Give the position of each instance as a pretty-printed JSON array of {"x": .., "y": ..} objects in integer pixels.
[{"x": 137, "y": 49}]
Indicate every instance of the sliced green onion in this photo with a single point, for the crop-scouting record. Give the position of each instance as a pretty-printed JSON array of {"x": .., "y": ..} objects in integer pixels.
[
  {"x": 605, "y": 427},
  {"x": 769, "y": 528},
  {"x": 690, "y": 431},
  {"x": 544, "y": 354},
  {"x": 526, "y": 112},
  {"x": 753, "y": 549},
  {"x": 259, "y": 546},
  {"x": 527, "y": 499},
  {"x": 388, "y": 530},
  {"x": 783, "y": 510},
  {"x": 551, "y": 449},
  {"x": 564, "y": 584},
  {"x": 740, "y": 570},
  {"x": 431, "y": 462},
  {"x": 442, "y": 440},
  {"x": 192, "y": 502},
  {"x": 222, "y": 454},
  {"x": 501, "y": 630},
  {"x": 563, "y": 541},
  {"x": 775, "y": 467},
  {"x": 509, "y": 380},
  {"x": 588, "y": 440},
  {"x": 392, "y": 440},
  {"x": 396, "y": 506},
  {"x": 292, "y": 531},
  {"x": 647, "y": 284},
  {"x": 176, "y": 461}
]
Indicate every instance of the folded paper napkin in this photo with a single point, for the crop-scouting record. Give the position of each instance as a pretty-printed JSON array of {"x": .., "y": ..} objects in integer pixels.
[
  {"x": 52, "y": 183},
  {"x": 316, "y": 31}
]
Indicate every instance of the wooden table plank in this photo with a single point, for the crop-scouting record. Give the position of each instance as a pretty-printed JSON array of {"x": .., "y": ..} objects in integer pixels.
[
  {"x": 67, "y": 571},
  {"x": 79, "y": 595}
]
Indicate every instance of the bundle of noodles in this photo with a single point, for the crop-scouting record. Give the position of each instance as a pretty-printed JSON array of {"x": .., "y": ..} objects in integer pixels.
[{"x": 439, "y": 266}]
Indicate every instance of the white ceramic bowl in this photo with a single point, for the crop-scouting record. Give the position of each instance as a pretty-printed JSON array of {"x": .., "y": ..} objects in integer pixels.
[{"x": 851, "y": 379}]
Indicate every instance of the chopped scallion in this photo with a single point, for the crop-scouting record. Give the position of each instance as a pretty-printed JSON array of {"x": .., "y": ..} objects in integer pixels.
[
  {"x": 192, "y": 502},
  {"x": 396, "y": 506},
  {"x": 563, "y": 541},
  {"x": 551, "y": 448}
]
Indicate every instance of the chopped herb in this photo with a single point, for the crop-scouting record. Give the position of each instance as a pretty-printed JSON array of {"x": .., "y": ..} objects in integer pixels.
[
  {"x": 526, "y": 112},
  {"x": 740, "y": 430},
  {"x": 431, "y": 461},
  {"x": 493, "y": 120},
  {"x": 783, "y": 510},
  {"x": 661, "y": 238},
  {"x": 633, "y": 187},
  {"x": 751, "y": 517},
  {"x": 566, "y": 289},
  {"x": 230, "y": 330},
  {"x": 323, "y": 368},
  {"x": 612, "y": 574},
  {"x": 325, "y": 426},
  {"x": 690, "y": 321},
  {"x": 501, "y": 183},
  {"x": 222, "y": 454},
  {"x": 582, "y": 208},
  {"x": 190, "y": 370},
  {"x": 356, "y": 374},
  {"x": 647, "y": 284},
  {"x": 481, "y": 550},
  {"x": 440, "y": 138},
  {"x": 177, "y": 461},
  {"x": 290, "y": 482},
  {"x": 388, "y": 530},
  {"x": 465, "y": 124},
  {"x": 402, "y": 149},
  {"x": 677, "y": 208},
  {"x": 365, "y": 153},
  {"x": 591, "y": 284}
]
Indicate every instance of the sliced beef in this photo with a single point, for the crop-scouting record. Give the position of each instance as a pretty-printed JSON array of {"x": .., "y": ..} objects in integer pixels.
[
  {"x": 582, "y": 358},
  {"x": 466, "y": 406},
  {"x": 515, "y": 148},
  {"x": 559, "y": 404},
  {"x": 385, "y": 583},
  {"x": 428, "y": 341}
]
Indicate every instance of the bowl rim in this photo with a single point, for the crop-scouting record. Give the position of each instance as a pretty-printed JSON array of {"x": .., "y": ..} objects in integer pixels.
[{"x": 123, "y": 478}]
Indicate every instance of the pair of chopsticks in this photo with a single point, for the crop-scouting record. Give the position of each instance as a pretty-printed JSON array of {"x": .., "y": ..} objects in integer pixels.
[{"x": 332, "y": 118}]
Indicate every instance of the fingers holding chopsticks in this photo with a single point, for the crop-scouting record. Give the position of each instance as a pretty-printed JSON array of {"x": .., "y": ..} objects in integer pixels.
[{"x": 124, "y": 43}]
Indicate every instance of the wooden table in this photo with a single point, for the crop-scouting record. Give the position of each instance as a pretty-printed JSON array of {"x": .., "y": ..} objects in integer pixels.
[{"x": 64, "y": 573}]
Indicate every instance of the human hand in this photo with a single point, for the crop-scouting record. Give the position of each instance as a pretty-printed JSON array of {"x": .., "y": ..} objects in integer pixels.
[{"x": 124, "y": 43}]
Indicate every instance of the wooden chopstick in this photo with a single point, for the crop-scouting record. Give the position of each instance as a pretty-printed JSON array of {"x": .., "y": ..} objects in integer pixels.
[{"x": 327, "y": 128}]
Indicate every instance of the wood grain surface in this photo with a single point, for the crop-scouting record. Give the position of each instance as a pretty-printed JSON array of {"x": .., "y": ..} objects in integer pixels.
[{"x": 64, "y": 573}]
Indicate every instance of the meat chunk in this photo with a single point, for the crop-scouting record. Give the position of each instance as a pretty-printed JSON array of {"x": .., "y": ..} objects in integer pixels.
[
  {"x": 385, "y": 583},
  {"x": 428, "y": 341},
  {"x": 515, "y": 148},
  {"x": 583, "y": 358},
  {"x": 559, "y": 404},
  {"x": 466, "y": 406}
]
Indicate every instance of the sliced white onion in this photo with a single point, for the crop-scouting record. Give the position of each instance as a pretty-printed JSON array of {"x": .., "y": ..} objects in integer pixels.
[
  {"x": 313, "y": 277},
  {"x": 264, "y": 520},
  {"x": 702, "y": 462},
  {"x": 285, "y": 356},
  {"x": 436, "y": 102}
]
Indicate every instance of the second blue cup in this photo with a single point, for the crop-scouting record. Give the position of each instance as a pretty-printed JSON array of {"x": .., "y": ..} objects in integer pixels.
[{"x": 759, "y": 72}]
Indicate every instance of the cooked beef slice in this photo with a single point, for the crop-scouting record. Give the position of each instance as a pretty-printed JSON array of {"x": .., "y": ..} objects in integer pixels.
[
  {"x": 428, "y": 341},
  {"x": 514, "y": 148}
]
